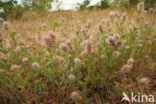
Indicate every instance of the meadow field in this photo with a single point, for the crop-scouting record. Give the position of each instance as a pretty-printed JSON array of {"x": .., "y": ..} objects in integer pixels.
[{"x": 77, "y": 57}]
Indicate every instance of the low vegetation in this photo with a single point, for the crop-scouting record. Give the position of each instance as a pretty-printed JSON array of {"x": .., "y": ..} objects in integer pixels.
[{"x": 77, "y": 57}]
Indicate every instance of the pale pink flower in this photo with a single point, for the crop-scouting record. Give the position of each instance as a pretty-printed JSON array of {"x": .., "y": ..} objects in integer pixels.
[
  {"x": 151, "y": 10},
  {"x": 140, "y": 41},
  {"x": 6, "y": 25},
  {"x": 61, "y": 60},
  {"x": 68, "y": 42},
  {"x": 141, "y": 6},
  {"x": 124, "y": 17},
  {"x": 14, "y": 67},
  {"x": 116, "y": 22},
  {"x": 140, "y": 45},
  {"x": 147, "y": 23},
  {"x": 112, "y": 14},
  {"x": 131, "y": 28},
  {"x": 88, "y": 25},
  {"x": 49, "y": 39},
  {"x": 100, "y": 27},
  {"x": 52, "y": 35},
  {"x": 44, "y": 25},
  {"x": 117, "y": 14},
  {"x": 103, "y": 56},
  {"x": 17, "y": 49},
  {"x": 64, "y": 48},
  {"x": 77, "y": 61},
  {"x": 75, "y": 95},
  {"x": 127, "y": 47},
  {"x": 71, "y": 77},
  {"x": 126, "y": 68},
  {"x": 84, "y": 32},
  {"x": 87, "y": 45},
  {"x": 55, "y": 57},
  {"x": 119, "y": 43},
  {"x": 105, "y": 21},
  {"x": 117, "y": 36},
  {"x": 25, "y": 59},
  {"x": 146, "y": 56},
  {"x": 110, "y": 40},
  {"x": 84, "y": 54},
  {"x": 144, "y": 81},
  {"x": 36, "y": 65},
  {"x": 116, "y": 53},
  {"x": 70, "y": 45},
  {"x": 130, "y": 61},
  {"x": 71, "y": 48},
  {"x": 98, "y": 44},
  {"x": 107, "y": 41}
]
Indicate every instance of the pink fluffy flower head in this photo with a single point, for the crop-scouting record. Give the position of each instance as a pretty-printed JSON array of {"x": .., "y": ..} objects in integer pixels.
[
  {"x": 71, "y": 77},
  {"x": 59, "y": 59},
  {"x": 124, "y": 17},
  {"x": 44, "y": 25},
  {"x": 141, "y": 6},
  {"x": 111, "y": 40},
  {"x": 14, "y": 67},
  {"x": 84, "y": 32},
  {"x": 77, "y": 61},
  {"x": 119, "y": 43},
  {"x": 144, "y": 80},
  {"x": 100, "y": 27},
  {"x": 127, "y": 47},
  {"x": 49, "y": 39},
  {"x": 116, "y": 53},
  {"x": 112, "y": 14},
  {"x": 64, "y": 48},
  {"x": 84, "y": 54},
  {"x": 36, "y": 65},
  {"x": 130, "y": 61},
  {"x": 25, "y": 59},
  {"x": 6, "y": 25},
  {"x": 75, "y": 95},
  {"x": 87, "y": 45},
  {"x": 88, "y": 25},
  {"x": 17, "y": 49},
  {"x": 126, "y": 68}
]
